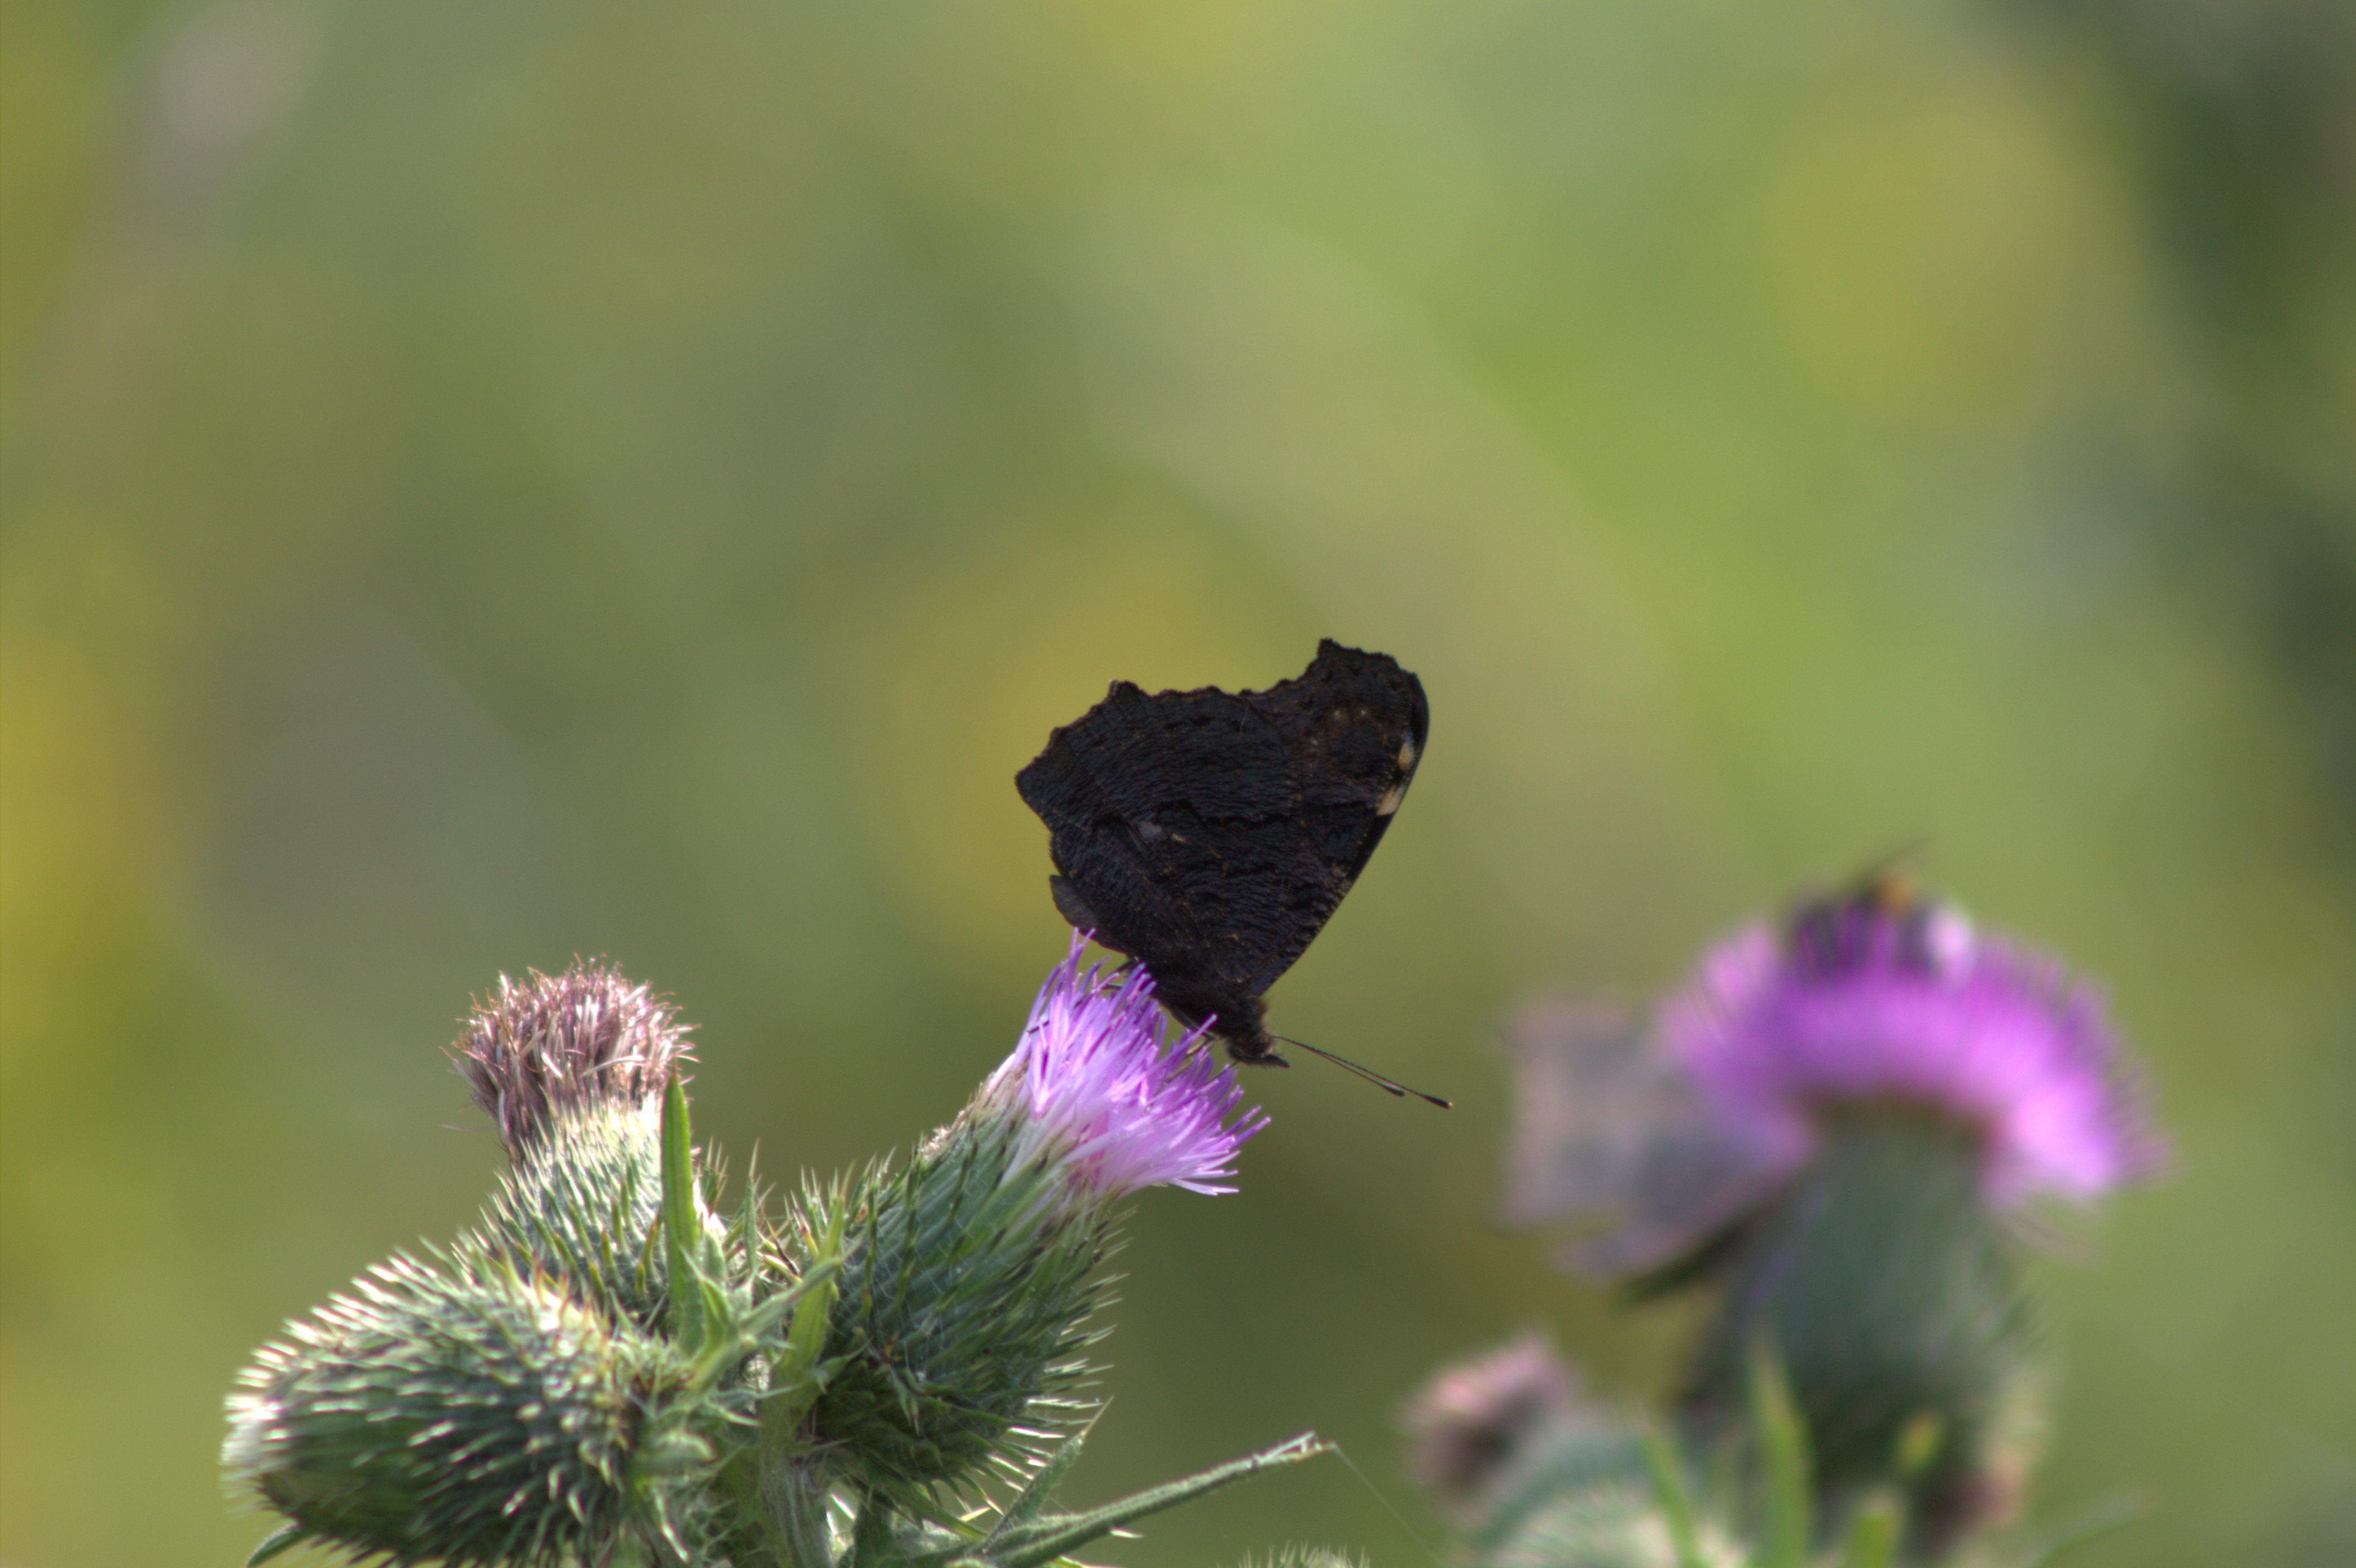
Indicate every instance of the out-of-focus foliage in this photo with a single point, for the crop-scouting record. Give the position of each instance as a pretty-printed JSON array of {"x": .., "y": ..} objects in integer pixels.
[{"x": 488, "y": 483}]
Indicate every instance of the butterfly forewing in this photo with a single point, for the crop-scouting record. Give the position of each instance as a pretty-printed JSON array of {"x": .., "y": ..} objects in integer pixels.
[{"x": 1354, "y": 726}]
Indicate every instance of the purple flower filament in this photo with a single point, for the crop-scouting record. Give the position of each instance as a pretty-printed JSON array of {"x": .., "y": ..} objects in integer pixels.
[
  {"x": 1865, "y": 1001},
  {"x": 1108, "y": 1094}
]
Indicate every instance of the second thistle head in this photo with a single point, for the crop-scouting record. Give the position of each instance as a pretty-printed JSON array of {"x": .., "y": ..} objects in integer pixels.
[
  {"x": 571, "y": 1068},
  {"x": 1908, "y": 1081},
  {"x": 1834, "y": 1122}
]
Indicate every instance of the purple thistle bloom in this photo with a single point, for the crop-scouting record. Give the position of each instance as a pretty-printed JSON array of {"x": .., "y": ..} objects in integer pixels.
[
  {"x": 1873, "y": 1000},
  {"x": 1105, "y": 1094}
]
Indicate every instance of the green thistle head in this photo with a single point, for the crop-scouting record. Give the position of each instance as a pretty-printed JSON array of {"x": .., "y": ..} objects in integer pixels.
[{"x": 468, "y": 1419}]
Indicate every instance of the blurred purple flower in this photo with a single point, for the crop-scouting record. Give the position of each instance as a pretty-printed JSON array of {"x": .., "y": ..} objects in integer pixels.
[
  {"x": 1877, "y": 999},
  {"x": 1467, "y": 1425},
  {"x": 1106, "y": 1093}
]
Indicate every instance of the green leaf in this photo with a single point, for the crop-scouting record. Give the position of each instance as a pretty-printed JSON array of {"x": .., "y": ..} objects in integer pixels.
[
  {"x": 680, "y": 1227},
  {"x": 1784, "y": 1454},
  {"x": 790, "y": 1301},
  {"x": 797, "y": 1377},
  {"x": 1677, "y": 1500},
  {"x": 748, "y": 1226},
  {"x": 1029, "y": 1503},
  {"x": 1873, "y": 1532}
]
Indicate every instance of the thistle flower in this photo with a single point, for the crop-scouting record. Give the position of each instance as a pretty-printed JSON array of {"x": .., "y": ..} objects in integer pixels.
[
  {"x": 476, "y": 1420},
  {"x": 960, "y": 1316},
  {"x": 1868, "y": 1000},
  {"x": 1098, "y": 1088},
  {"x": 553, "y": 1045},
  {"x": 1836, "y": 1119}
]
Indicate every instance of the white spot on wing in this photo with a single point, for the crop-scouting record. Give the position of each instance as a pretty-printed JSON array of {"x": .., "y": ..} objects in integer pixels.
[
  {"x": 1391, "y": 798},
  {"x": 1407, "y": 753}
]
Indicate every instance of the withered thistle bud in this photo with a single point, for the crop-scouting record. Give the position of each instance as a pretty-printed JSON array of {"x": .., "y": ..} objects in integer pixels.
[
  {"x": 1473, "y": 1420},
  {"x": 553, "y": 1044}
]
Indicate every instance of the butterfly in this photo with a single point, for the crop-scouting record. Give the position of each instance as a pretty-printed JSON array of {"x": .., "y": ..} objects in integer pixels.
[{"x": 1209, "y": 835}]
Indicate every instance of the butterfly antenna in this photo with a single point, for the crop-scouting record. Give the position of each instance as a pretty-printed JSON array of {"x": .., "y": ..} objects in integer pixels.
[{"x": 1388, "y": 1085}]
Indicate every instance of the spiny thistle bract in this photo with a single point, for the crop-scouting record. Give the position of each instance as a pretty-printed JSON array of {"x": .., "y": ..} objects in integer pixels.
[
  {"x": 488, "y": 1419},
  {"x": 954, "y": 1346},
  {"x": 583, "y": 1204}
]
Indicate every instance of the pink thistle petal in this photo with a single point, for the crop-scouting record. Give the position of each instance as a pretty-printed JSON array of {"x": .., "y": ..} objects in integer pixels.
[
  {"x": 1108, "y": 1094},
  {"x": 1985, "y": 1033}
]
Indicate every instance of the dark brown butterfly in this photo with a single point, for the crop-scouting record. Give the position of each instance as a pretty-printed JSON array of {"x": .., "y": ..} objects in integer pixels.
[{"x": 1210, "y": 835}]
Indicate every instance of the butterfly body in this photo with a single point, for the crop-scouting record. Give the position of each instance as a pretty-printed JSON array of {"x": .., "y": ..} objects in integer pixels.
[{"x": 1210, "y": 835}]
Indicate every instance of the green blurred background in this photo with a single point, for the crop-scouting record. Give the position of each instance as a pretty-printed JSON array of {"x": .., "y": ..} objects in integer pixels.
[{"x": 485, "y": 483}]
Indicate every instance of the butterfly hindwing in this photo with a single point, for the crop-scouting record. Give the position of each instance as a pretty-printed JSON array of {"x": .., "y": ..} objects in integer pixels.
[{"x": 1166, "y": 816}]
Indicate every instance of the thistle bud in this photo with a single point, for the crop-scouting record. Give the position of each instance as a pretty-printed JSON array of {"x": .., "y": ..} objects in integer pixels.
[
  {"x": 571, "y": 1068},
  {"x": 1473, "y": 1421},
  {"x": 466, "y": 1420},
  {"x": 553, "y": 1045}
]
